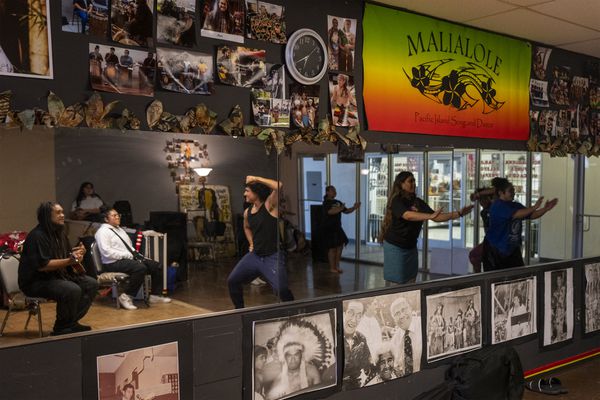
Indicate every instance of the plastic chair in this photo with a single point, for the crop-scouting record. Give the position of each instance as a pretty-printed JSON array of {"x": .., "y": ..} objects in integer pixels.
[
  {"x": 9, "y": 271},
  {"x": 76, "y": 20}
]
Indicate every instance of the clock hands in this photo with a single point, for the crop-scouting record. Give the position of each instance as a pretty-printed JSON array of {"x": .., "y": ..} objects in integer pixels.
[{"x": 305, "y": 58}]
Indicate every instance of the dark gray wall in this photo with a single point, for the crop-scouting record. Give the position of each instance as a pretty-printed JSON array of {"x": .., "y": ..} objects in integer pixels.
[{"x": 133, "y": 166}]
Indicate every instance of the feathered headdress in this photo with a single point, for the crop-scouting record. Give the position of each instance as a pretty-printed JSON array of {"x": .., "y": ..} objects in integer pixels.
[{"x": 300, "y": 333}]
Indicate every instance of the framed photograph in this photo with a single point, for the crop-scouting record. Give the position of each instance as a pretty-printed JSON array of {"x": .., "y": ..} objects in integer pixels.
[
  {"x": 514, "y": 309},
  {"x": 120, "y": 70},
  {"x": 591, "y": 276},
  {"x": 294, "y": 355},
  {"x": 185, "y": 71},
  {"x": 86, "y": 17},
  {"x": 341, "y": 43},
  {"x": 144, "y": 373},
  {"x": 223, "y": 19},
  {"x": 175, "y": 24},
  {"x": 558, "y": 306},
  {"x": 265, "y": 21},
  {"x": 453, "y": 324},
  {"x": 25, "y": 40},
  {"x": 305, "y": 106},
  {"x": 241, "y": 66},
  {"x": 342, "y": 97},
  {"x": 132, "y": 22},
  {"x": 382, "y": 338}
]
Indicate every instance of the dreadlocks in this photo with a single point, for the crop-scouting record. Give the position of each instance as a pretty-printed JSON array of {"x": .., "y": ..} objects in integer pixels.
[{"x": 59, "y": 244}]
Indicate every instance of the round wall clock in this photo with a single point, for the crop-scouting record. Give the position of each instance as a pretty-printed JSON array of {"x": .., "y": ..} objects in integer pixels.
[{"x": 306, "y": 57}]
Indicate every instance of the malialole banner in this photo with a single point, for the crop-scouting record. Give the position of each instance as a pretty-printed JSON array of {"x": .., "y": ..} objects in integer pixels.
[{"x": 423, "y": 75}]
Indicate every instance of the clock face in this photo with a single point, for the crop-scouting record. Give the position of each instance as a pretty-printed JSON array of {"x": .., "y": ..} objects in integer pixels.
[{"x": 308, "y": 56}]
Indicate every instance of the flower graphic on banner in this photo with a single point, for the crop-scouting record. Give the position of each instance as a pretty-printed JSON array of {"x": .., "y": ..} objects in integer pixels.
[{"x": 461, "y": 88}]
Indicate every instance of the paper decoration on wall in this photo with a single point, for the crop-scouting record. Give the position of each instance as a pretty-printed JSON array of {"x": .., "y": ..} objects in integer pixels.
[
  {"x": 185, "y": 71},
  {"x": 306, "y": 346},
  {"x": 27, "y": 50},
  {"x": 592, "y": 298},
  {"x": 459, "y": 310},
  {"x": 385, "y": 332},
  {"x": 199, "y": 117},
  {"x": 341, "y": 42},
  {"x": 182, "y": 156},
  {"x": 234, "y": 124},
  {"x": 175, "y": 23},
  {"x": 132, "y": 22},
  {"x": 558, "y": 306},
  {"x": 265, "y": 21},
  {"x": 223, "y": 19},
  {"x": 342, "y": 97},
  {"x": 121, "y": 373},
  {"x": 241, "y": 66},
  {"x": 97, "y": 24},
  {"x": 514, "y": 310},
  {"x": 121, "y": 70}
]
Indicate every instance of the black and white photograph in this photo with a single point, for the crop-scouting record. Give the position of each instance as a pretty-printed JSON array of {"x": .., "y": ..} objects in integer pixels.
[
  {"x": 176, "y": 22},
  {"x": 559, "y": 90},
  {"x": 513, "y": 309},
  {"x": 265, "y": 21},
  {"x": 294, "y": 355},
  {"x": 382, "y": 338},
  {"x": 541, "y": 55},
  {"x": 579, "y": 90},
  {"x": 88, "y": 17},
  {"x": 241, "y": 66},
  {"x": 25, "y": 40},
  {"x": 141, "y": 374},
  {"x": 453, "y": 323},
  {"x": 539, "y": 93},
  {"x": 120, "y": 70},
  {"x": 223, "y": 19},
  {"x": 132, "y": 22},
  {"x": 558, "y": 306},
  {"x": 547, "y": 123},
  {"x": 342, "y": 96},
  {"x": 341, "y": 42},
  {"x": 269, "y": 111},
  {"x": 592, "y": 297},
  {"x": 305, "y": 106},
  {"x": 185, "y": 71}
]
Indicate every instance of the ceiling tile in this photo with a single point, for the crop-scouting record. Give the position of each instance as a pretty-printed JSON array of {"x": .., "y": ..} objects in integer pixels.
[
  {"x": 589, "y": 47},
  {"x": 453, "y": 10},
  {"x": 581, "y": 12},
  {"x": 533, "y": 26},
  {"x": 526, "y": 3}
]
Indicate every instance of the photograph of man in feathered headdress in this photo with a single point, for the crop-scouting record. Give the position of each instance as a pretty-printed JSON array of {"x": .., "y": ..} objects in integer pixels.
[{"x": 294, "y": 355}]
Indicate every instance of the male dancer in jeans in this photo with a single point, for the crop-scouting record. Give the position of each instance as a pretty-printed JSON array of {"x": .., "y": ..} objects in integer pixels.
[{"x": 261, "y": 228}]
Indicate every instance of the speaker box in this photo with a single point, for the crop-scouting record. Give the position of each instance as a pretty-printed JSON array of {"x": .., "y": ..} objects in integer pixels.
[{"x": 174, "y": 224}]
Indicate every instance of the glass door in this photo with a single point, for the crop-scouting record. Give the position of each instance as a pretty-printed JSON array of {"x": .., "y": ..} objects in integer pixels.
[
  {"x": 343, "y": 177},
  {"x": 591, "y": 208},
  {"x": 313, "y": 182}
]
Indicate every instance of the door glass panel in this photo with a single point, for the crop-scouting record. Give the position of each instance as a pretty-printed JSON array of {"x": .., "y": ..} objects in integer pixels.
[
  {"x": 314, "y": 175},
  {"x": 343, "y": 177},
  {"x": 591, "y": 208}
]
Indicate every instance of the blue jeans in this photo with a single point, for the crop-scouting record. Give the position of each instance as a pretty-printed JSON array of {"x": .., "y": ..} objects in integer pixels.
[
  {"x": 84, "y": 17},
  {"x": 252, "y": 266}
]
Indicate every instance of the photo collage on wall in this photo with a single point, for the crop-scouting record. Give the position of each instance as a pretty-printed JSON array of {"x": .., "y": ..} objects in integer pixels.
[
  {"x": 270, "y": 106},
  {"x": 558, "y": 317},
  {"x": 341, "y": 48},
  {"x": 265, "y": 21},
  {"x": 176, "y": 22},
  {"x": 592, "y": 298},
  {"x": 132, "y": 22},
  {"x": 181, "y": 153},
  {"x": 78, "y": 11},
  {"x": 223, "y": 19},
  {"x": 382, "y": 338},
  {"x": 185, "y": 71},
  {"x": 294, "y": 355},
  {"x": 514, "y": 309}
]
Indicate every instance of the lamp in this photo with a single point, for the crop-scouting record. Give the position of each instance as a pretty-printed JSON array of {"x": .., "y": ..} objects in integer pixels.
[{"x": 202, "y": 171}]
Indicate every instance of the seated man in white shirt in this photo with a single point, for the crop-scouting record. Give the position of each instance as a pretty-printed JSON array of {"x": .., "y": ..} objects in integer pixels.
[{"x": 116, "y": 252}]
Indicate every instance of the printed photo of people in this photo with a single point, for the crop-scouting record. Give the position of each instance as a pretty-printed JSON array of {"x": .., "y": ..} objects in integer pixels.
[
  {"x": 559, "y": 91},
  {"x": 132, "y": 22},
  {"x": 513, "y": 309},
  {"x": 579, "y": 90},
  {"x": 539, "y": 93},
  {"x": 175, "y": 23},
  {"x": 85, "y": 16},
  {"x": 144, "y": 373},
  {"x": 269, "y": 111},
  {"x": 382, "y": 338},
  {"x": 341, "y": 41},
  {"x": 305, "y": 106},
  {"x": 453, "y": 323},
  {"x": 241, "y": 66},
  {"x": 185, "y": 71},
  {"x": 541, "y": 55},
  {"x": 558, "y": 310},
  {"x": 592, "y": 297},
  {"x": 265, "y": 21},
  {"x": 342, "y": 97},
  {"x": 595, "y": 97},
  {"x": 119, "y": 70},
  {"x": 224, "y": 19},
  {"x": 25, "y": 42},
  {"x": 294, "y": 355},
  {"x": 548, "y": 122}
]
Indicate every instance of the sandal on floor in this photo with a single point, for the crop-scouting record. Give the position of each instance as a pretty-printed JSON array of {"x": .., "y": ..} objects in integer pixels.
[
  {"x": 555, "y": 383},
  {"x": 541, "y": 385}
]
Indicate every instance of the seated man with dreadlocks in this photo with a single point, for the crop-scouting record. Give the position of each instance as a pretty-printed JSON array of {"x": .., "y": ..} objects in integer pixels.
[{"x": 47, "y": 269}]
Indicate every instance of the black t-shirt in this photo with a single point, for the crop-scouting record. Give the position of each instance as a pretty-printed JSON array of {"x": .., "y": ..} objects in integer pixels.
[
  {"x": 37, "y": 252},
  {"x": 403, "y": 233},
  {"x": 82, "y": 3},
  {"x": 331, "y": 221}
]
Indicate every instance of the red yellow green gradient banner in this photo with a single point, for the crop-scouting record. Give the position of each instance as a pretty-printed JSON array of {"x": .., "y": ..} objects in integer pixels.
[{"x": 423, "y": 75}]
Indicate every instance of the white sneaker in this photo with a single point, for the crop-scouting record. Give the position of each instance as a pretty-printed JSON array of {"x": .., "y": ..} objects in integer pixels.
[
  {"x": 158, "y": 299},
  {"x": 258, "y": 282},
  {"x": 126, "y": 302}
]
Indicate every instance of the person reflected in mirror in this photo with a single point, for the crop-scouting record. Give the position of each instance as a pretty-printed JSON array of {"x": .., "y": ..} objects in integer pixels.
[
  {"x": 334, "y": 236},
  {"x": 263, "y": 259},
  {"x": 47, "y": 270},
  {"x": 502, "y": 244},
  {"x": 88, "y": 204},
  {"x": 402, "y": 224},
  {"x": 485, "y": 197}
]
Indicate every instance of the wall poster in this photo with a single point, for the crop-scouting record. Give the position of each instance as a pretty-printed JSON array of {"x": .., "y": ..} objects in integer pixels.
[{"x": 558, "y": 306}]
